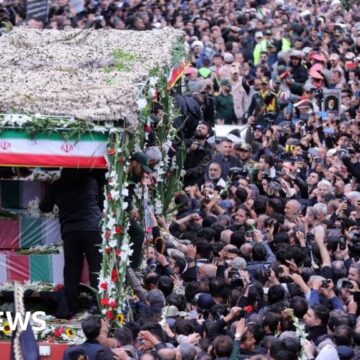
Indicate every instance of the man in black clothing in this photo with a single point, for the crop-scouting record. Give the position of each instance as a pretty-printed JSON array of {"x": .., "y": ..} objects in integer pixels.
[
  {"x": 91, "y": 327},
  {"x": 316, "y": 320},
  {"x": 198, "y": 156},
  {"x": 77, "y": 195},
  {"x": 225, "y": 159}
]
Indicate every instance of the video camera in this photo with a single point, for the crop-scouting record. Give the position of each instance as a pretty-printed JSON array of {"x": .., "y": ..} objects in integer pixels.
[{"x": 235, "y": 173}]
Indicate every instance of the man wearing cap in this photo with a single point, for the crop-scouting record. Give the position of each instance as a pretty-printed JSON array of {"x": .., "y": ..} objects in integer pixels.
[
  {"x": 238, "y": 92},
  {"x": 260, "y": 46},
  {"x": 137, "y": 170},
  {"x": 138, "y": 166},
  {"x": 335, "y": 65},
  {"x": 194, "y": 83},
  {"x": 298, "y": 71},
  {"x": 224, "y": 104},
  {"x": 225, "y": 70},
  {"x": 264, "y": 104},
  {"x": 246, "y": 162},
  {"x": 281, "y": 95}
]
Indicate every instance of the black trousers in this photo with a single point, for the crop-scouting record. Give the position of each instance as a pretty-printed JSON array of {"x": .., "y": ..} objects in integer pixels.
[{"x": 76, "y": 244}]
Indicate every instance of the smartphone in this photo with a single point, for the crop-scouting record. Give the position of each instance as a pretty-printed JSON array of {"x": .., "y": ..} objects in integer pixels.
[
  {"x": 342, "y": 243},
  {"x": 250, "y": 233},
  {"x": 329, "y": 131}
]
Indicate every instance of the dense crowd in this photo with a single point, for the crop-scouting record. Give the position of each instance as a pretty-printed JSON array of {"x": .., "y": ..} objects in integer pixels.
[{"x": 264, "y": 249}]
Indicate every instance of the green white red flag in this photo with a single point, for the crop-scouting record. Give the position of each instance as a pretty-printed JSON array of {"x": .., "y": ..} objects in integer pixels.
[{"x": 52, "y": 150}]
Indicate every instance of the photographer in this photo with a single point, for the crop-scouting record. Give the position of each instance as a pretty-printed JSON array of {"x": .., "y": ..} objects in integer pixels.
[{"x": 198, "y": 156}]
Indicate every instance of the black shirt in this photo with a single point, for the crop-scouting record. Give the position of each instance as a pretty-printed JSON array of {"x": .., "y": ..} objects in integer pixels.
[{"x": 78, "y": 202}]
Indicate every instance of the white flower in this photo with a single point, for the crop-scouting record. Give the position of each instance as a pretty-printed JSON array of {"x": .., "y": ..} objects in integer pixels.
[
  {"x": 141, "y": 103},
  {"x": 152, "y": 92},
  {"x": 153, "y": 80},
  {"x": 106, "y": 205},
  {"x": 115, "y": 195},
  {"x": 123, "y": 256},
  {"x": 125, "y": 192},
  {"x": 126, "y": 248},
  {"x": 111, "y": 222},
  {"x": 125, "y": 205},
  {"x": 113, "y": 243}
]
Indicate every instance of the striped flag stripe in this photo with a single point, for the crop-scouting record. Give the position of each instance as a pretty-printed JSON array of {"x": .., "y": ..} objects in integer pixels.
[{"x": 33, "y": 160}]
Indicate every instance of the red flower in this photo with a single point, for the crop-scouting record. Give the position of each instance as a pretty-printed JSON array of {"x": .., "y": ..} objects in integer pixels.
[
  {"x": 110, "y": 315},
  {"x": 147, "y": 128},
  {"x": 58, "y": 287},
  {"x": 118, "y": 229},
  {"x": 103, "y": 285},
  {"x": 112, "y": 304},
  {"x": 107, "y": 234},
  {"x": 148, "y": 230},
  {"x": 109, "y": 196},
  {"x": 122, "y": 161},
  {"x": 111, "y": 151},
  {"x": 114, "y": 275},
  {"x": 248, "y": 309},
  {"x": 104, "y": 301},
  {"x": 117, "y": 252},
  {"x": 58, "y": 331},
  {"x": 108, "y": 249}
]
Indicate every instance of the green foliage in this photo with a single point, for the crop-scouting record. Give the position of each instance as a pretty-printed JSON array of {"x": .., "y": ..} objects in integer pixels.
[
  {"x": 73, "y": 131},
  {"x": 122, "y": 61},
  {"x": 178, "y": 53},
  {"x": 346, "y": 4}
]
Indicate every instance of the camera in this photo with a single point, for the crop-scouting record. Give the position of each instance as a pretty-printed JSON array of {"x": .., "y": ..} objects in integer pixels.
[
  {"x": 319, "y": 93},
  {"x": 250, "y": 233},
  {"x": 274, "y": 185},
  {"x": 235, "y": 173},
  {"x": 342, "y": 243},
  {"x": 235, "y": 278},
  {"x": 279, "y": 271},
  {"x": 326, "y": 283},
  {"x": 347, "y": 285},
  {"x": 343, "y": 153},
  {"x": 152, "y": 265},
  {"x": 310, "y": 237},
  {"x": 266, "y": 270}
]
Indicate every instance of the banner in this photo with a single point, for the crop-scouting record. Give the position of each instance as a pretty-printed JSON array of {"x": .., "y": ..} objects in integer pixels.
[
  {"x": 52, "y": 150},
  {"x": 37, "y": 9}
]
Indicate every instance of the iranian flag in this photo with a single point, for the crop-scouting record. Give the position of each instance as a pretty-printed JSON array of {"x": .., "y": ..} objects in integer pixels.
[{"x": 52, "y": 150}]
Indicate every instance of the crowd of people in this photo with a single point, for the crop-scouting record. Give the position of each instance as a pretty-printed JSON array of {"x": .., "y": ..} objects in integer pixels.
[{"x": 261, "y": 260}]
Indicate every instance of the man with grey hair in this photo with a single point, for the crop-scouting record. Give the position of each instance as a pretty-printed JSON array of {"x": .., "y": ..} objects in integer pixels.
[
  {"x": 292, "y": 211},
  {"x": 354, "y": 273},
  {"x": 339, "y": 269},
  {"x": 324, "y": 187},
  {"x": 154, "y": 156},
  {"x": 187, "y": 351},
  {"x": 320, "y": 212}
]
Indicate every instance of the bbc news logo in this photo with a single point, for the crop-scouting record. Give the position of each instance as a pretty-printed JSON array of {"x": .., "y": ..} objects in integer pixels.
[{"x": 12, "y": 321}]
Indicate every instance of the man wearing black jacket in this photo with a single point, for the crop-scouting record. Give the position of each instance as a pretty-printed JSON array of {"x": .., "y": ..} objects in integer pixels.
[
  {"x": 77, "y": 194},
  {"x": 198, "y": 156}
]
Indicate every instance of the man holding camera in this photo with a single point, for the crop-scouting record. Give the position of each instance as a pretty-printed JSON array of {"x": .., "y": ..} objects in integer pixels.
[{"x": 198, "y": 156}]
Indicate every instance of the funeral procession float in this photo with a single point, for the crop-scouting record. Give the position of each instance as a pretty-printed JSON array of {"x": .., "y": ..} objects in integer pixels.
[{"x": 80, "y": 99}]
